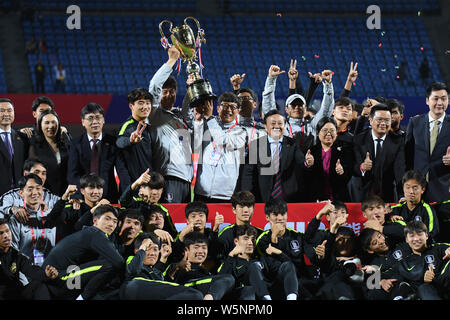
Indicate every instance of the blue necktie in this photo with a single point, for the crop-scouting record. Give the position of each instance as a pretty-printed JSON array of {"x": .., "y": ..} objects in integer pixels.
[{"x": 8, "y": 145}]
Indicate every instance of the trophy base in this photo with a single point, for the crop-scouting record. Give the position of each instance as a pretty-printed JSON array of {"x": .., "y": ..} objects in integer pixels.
[{"x": 199, "y": 91}]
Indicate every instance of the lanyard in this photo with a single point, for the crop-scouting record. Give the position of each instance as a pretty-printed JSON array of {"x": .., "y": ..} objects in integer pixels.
[
  {"x": 229, "y": 129},
  {"x": 290, "y": 130},
  {"x": 33, "y": 238},
  {"x": 253, "y": 134}
]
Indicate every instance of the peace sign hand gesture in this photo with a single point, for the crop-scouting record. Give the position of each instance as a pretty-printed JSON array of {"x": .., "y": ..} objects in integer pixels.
[{"x": 136, "y": 136}]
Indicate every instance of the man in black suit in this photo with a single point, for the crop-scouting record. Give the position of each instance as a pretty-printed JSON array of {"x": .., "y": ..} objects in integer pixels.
[
  {"x": 274, "y": 163},
  {"x": 13, "y": 148},
  {"x": 427, "y": 143},
  {"x": 379, "y": 157},
  {"x": 96, "y": 152}
]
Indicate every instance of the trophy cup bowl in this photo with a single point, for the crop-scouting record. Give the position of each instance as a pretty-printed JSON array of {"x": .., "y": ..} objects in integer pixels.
[{"x": 187, "y": 43}]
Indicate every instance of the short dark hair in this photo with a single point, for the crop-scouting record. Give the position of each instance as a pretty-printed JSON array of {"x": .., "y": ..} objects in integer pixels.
[
  {"x": 104, "y": 208},
  {"x": 340, "y": 205},
  {"x": 31, "y": 176},
  {"x": 370, "y": 201},
  {"x": 275, "y": 206},
  {"x": 343, "y": 101},
  {"x": 92, "y": 107},
  {"x": 346, "y": 231},
  {"x": 132, "y": 214},
  {"x": 380, "y": 99},
  {"x": 138, "y": 94},
  {"x": 271, "y": 113},
  {"x": 4, "y": 221},
  {"x": 6, "y": 100},
  {"x": 251, "y": 91},
  {"x": 196, "y": 206},
  {"x": 323, "y": 121},
  {"x": 436, "y": 86},
  {"x": 394, "y": 103},
  {"x": 229, "y": 97},
  {"x": 378, "y": 107},
  {"x": 243, "y": 198},
  {"x": 91, "y": 180},
  {"x": 244, "y": 229},
  {"x": 415, "y": 226},
  {"x": 149, "y": 210},
  {"x": 157, "y": 181},
  {"x": 194, "y": 237},
  {"x": 171, "y": 83},
  {"x": 415, "y": 175},
  {"x": 365, "y": 238},
  {"x": 146, "y": 235},
  {"x": 40, "y": 100},
  {"x": 31, "y": 162}
]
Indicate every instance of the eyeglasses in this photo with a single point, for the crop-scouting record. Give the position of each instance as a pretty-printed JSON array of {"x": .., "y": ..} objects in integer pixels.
[
  {"x": 246, "y": 98},
  {"x": 328, "y": 131},
  {"x": 381, "y": 120},
  {"x": 232, "y": 107},
  {"x": 92, "y": 118}
]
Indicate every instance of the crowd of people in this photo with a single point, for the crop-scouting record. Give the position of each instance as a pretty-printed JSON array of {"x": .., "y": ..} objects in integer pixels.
[{"x": 82, "y": 217}]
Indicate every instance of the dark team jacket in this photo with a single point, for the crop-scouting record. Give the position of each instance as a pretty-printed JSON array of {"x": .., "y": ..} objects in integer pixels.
[
  {"x": 226, "y": 239},
  {"x": 136, "y": 269},
  {"x": 81, "y": 247},
  {"x": 410, "y": 267},
  {"x": 442, "y": 210},
  {"x": 64, "y": 217},
  {"x": 196, "y": 276},
  {"x": 422, "y": 212},
  {"x": 11, "y": 263},
  {"x": 129, "y": 199},
  {"x": 239, "y": 269},
  {"x": 292, "y": 245},
  {"x": 138, "y": 156}
]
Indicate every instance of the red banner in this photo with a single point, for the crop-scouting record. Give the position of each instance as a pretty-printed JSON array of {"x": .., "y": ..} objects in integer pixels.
[{"x": 299, "y": 215}]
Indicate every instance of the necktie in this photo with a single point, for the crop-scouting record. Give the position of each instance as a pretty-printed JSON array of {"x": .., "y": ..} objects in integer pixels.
[
  {"x": 434, "y": 134},
  {"x": 277, "y": 190},
  {"x": 378, "y": 150},
  {"x": 8, "y": 145},
  {"x": 94, "y": 157}
]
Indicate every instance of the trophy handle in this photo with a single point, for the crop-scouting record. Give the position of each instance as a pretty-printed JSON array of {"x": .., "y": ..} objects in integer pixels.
[
  {"x": 160, "y": 27},
  {"x": 200, "y": 32}
]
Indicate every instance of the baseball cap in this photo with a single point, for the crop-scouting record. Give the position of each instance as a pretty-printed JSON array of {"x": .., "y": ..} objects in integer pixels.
[{"x": 292, "y": 97}]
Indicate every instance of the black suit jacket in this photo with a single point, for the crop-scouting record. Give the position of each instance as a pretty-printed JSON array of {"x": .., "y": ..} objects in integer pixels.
[
  {"x": 258, "y": 177},
  {"x": 385, "y": 178},
  {"x": 417, "y": 147},
  {"x": 315, "y": 176},
  {"x": 56, "y": 173},
  {"x": 11, "y": 172},
  {"x": 80, "y": 164}
]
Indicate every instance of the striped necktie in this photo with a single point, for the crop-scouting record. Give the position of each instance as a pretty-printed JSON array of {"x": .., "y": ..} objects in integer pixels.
[{"x": 277, "y": 190}]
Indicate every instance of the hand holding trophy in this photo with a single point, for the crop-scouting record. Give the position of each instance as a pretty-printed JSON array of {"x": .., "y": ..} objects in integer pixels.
[{"x": 188, "y": 45}]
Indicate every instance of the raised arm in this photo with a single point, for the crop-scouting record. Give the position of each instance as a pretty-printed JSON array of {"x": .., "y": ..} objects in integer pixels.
[{"x": 268, "y": 95}]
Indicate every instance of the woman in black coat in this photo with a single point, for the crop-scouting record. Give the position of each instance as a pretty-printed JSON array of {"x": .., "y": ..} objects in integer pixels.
[
  {"x": 51, "y": 146},
  {"x": 332, "y": 168}
]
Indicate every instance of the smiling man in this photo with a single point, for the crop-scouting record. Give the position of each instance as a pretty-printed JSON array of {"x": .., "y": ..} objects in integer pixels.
[
  {"x": 276, "y": 161},
  {"x": 223, "y": 142},
  {"x": 379, "y": 157},
  {"x": 13, "y": 148},
  {"x": 95, "y": 151},
  {"x": 428, "y": 143},
  {"x": 87, "y": 259},
  {"x": 135, "y": 140}
]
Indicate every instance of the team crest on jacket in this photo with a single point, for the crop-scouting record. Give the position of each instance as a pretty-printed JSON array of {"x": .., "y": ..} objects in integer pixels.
[
  {"x": 13, "y": 268},
  {"x": 397, "y": 254},
  {"x": 429, "y": 259},
  {"x": 295, "y": 245}
]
